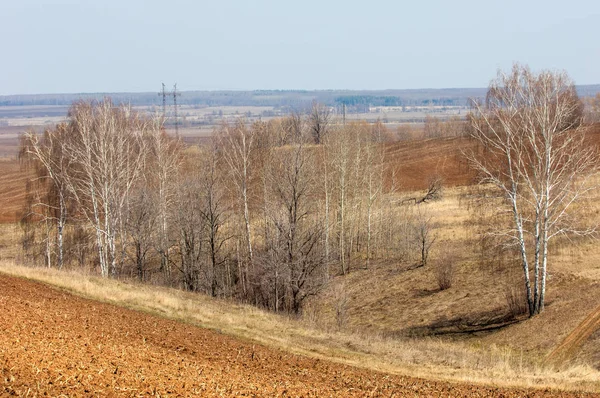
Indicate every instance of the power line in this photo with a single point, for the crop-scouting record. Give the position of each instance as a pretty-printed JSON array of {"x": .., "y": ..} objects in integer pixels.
[
  {"x": 175, "y": 94},
  {"x": 164, "y": 95},
  {"x": 164, "y": 101}
]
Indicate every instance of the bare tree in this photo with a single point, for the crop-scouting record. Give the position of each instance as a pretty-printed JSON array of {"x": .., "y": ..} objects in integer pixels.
[
  {"x": 348, "y": 154},
  {"x": 319, "y": 120},
  {"x": 94, "y": 160},
  {"x": 536, "y": 156},
  {"x": 298, "y": 233},
  {"x": 213, "y": 213},
  {"x": 141, "y": 222},
  {"x": 339, "y": 153},
  {"x": 434, "y": 190},
  {"x": 424, "y": 233},
  {"x": 191, "y": 230},
  {"x": 374, "y": 158},
  {"x": 161, "y": 173},
  {"x": 53, "y": 164},
  {"x": 237, "y": 143},
  {"x": 107, "y": 152}
]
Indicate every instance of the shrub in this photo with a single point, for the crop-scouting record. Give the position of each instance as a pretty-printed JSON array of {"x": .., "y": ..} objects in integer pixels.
[
  {"x": 444, "y": 271},
  {"x": 516, "y": 300}
]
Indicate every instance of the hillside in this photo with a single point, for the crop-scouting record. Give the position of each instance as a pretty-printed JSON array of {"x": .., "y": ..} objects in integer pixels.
[
  {"x": 80, "y": 346},
  {"x": 13, "y": 179},
  {"x": 394, "y": 312},
  {"x": 403, "y": 300}
]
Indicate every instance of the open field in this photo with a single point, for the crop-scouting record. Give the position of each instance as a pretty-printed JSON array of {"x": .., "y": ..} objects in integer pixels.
[{"x": 57, "y": 343}]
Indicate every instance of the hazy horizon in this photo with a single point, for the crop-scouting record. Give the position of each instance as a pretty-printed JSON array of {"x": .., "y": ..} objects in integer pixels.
[{"x": 64, "y": 47}]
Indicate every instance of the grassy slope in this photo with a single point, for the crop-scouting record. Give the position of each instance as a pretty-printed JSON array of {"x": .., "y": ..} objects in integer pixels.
[
  {"x": 426, "y": 358},
  {"x": 398, "y": 299},
  {"x": 391, "y": 301}
]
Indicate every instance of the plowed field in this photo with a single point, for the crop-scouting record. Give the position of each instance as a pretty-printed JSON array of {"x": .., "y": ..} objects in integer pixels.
[{"x": 53, "y": 343}]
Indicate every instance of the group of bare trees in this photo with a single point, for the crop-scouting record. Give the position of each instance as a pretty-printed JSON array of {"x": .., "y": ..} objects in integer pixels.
[
  {"x": 261, "y": 212},
  {"x": 534, "y": 155},
  {"x": 267, "y": 212},
  {"x": 90, "y": 168}
]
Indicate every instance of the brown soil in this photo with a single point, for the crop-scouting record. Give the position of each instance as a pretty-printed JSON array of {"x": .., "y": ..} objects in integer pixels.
[
  {"x": 13, "y": 180},
  {"x": 54, "y": 343},
  {"x": 416, "y": 162}
]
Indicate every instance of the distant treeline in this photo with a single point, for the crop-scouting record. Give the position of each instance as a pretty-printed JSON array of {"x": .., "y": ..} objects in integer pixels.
[
  {"x": 367, "y": 101},
  {"x": 354, "y": 100},
  {"x": 292, "y": 99}
]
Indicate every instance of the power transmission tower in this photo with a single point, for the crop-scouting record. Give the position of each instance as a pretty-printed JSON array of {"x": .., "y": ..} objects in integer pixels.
[
  {"x": 164, "y": 95},
  {"x": 175, "y": 94},
  {"x": 164, "y": 101}
]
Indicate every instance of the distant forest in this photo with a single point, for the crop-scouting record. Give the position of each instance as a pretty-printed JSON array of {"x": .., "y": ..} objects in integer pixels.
[
  {"x": 353, "y": 100},
  {"x": 275, "y": 98}
]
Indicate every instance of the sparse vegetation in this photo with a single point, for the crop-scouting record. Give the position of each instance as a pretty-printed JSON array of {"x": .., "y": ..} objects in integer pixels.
[
  {"x": 341, "y": 232},
  {"x": 516, "y": 300},
  {"x": 444, "y": 270}
]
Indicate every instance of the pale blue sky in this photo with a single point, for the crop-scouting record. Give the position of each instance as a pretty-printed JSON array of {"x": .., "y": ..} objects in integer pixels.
[{"x": 134, "y": 45}]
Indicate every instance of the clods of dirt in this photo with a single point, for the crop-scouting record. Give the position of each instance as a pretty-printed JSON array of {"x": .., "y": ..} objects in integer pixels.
[{"x": 56, "y": 344}]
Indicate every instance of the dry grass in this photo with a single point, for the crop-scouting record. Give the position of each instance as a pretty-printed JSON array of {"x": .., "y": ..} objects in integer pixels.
[
  {"x": 9, "y": 249},
  {"x": 396, "y": 299},
  {"x": 387, "y": 304},
  {"x": 427, "y": 358}
]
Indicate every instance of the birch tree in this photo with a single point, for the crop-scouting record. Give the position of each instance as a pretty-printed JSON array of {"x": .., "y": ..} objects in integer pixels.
[
  {"x": 237, "y": 144},
  {"x": 374, "y": 153},
  {"x": 535, "y": 155},
  {"x": 53, "y": 165},
  {"x": 107, "y": 152},
  {"x": 162, "y": 170},
  {"x": 338, "y": 152}
]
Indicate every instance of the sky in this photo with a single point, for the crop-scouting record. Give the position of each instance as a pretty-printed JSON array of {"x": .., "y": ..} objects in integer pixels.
[{"x": 76, "y": 46}]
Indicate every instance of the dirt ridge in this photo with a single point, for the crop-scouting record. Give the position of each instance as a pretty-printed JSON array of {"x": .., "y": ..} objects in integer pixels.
[{"x": 570, "y": 344}]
